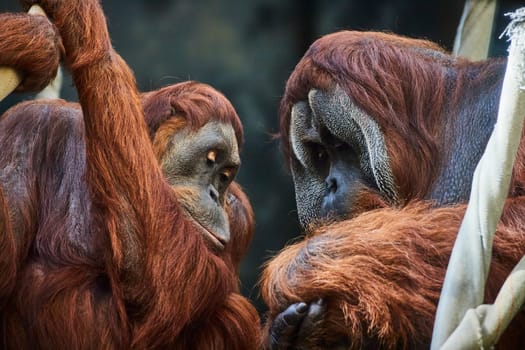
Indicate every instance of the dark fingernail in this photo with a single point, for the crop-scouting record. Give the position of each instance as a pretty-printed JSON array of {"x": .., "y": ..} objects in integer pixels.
[{"x": 301, "y": 307}]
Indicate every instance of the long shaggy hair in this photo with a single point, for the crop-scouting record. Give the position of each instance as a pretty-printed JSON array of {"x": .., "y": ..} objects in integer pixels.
[
  {"x": 380, "y": 273},
  {"x": 98, "y": 252},
  {"x": 409, "y": 86}
]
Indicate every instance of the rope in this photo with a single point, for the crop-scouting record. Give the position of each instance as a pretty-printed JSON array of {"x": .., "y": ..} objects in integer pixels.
[{"x": 463, "y": 290}]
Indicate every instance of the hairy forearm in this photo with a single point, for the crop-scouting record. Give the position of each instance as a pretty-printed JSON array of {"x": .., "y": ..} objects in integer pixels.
[
  {"x": 383, "y": 269},
  {"x": 121, "y": 170},
  {"x": 116, "y": 137},
  {"x": 380, "y": 274}
]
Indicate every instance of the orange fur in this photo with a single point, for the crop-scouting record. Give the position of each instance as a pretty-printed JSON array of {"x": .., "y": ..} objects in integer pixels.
[
  {"x": 7, "y": 247},
  {"x": 164, "y": 133},
  {"x": 380, "y": 275},
  {"x": 411, "y": 105},
  {"x": 105, "y": 257},
  {"x": 380, "y": 272}
]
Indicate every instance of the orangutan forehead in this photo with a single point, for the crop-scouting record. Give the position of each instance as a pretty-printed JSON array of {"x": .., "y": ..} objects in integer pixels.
[
  {"x": 216, "y": 129},
  {"x": 214, "y": 134}
]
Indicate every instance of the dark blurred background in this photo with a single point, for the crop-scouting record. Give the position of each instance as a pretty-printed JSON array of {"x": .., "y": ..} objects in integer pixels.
[{"x": 247, "y": 49}]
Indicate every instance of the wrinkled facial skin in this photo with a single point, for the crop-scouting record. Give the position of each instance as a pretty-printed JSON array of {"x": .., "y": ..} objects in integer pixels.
[
  {"x": 338, "y": 149},
  {"x": 200, "y": 166}
]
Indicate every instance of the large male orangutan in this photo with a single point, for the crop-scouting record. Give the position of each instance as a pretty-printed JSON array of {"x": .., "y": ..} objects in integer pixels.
[
  {"x": 120, "y": 230},
  {"x": 382, "y": 135}
]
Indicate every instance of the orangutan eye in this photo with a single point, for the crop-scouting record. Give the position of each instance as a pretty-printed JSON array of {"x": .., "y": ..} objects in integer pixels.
[
  {"x": 318, "y": 152},
  {"x": 211, "y": 157},
  {"x": 321, "y": 154},
  {"x": 226, "y": 176}
]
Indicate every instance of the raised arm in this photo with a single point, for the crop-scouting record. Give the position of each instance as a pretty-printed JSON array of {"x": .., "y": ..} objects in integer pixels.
[{"x": 121, "y": 169}]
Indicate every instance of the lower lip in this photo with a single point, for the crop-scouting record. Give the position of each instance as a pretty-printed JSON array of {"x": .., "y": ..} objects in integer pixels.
[{"x": 211, "y": 237}]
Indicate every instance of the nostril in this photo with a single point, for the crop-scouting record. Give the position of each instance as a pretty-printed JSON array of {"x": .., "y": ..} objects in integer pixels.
[
  {"x": 331, "y": 184},
  {"x": 214, "y": 194}
]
